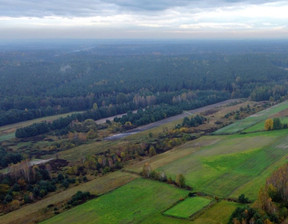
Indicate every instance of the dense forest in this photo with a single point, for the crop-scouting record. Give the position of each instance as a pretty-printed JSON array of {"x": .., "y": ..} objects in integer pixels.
[{"x": 116, "y": 78}]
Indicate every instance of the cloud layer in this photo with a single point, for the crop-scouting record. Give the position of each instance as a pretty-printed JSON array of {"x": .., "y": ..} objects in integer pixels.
[{"x": 142, "y": 18}]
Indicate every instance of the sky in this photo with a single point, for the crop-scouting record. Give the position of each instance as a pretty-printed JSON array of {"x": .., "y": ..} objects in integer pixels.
[{"x": 143, "y": 19}]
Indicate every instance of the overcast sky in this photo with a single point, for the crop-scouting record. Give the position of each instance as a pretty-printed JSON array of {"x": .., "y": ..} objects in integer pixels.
[{"x": 143, "y": 19}]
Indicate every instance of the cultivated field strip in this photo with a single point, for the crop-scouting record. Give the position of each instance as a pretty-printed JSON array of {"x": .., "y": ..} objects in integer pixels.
[{"x": 250, "y": 121}]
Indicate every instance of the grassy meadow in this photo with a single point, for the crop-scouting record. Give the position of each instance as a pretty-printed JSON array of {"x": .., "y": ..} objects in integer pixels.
[
  {"x": 219, "y": 169},
  {"x": 188, "y": 207},
  {"x": 260, "y": 125},
  {"x": 218, "y": 213},
  {"x": 252, "y": 120},
  {"x": 139, "y": 201},
  {"x": 146, "y": 201}
]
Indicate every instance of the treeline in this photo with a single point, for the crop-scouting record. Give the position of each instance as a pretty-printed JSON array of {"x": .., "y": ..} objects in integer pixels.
[
  {"x": 108, "y": 106},
  {"x": 150, "y": 114},
  {"x": 156, "y": 113}
]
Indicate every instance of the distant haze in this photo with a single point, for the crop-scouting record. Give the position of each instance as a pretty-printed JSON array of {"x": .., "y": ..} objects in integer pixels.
[{"x": 143, "y": 19}]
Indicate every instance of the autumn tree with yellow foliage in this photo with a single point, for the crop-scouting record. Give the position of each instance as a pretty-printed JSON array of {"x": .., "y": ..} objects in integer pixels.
[{"x": 268, "y": 125}]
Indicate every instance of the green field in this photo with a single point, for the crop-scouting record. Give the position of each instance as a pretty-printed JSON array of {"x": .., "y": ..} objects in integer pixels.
[
  {"x": 188, "y": 207},
  {"x": 218, "y": 213},
  {"x": 260, "y": 125},
  {"x": 221, "y": 168},
  {"x": 218, "y": 165},
  {"x": 139, "y": 201},
  {"x": 252, "y": 120},
  {"x": 32, "y": 213},
  {"x": 145, "y": 201}
]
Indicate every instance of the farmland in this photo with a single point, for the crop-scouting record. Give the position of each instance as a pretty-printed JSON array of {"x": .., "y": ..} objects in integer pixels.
[
  {"x": 222, "y": 166},
  {"x": 132, "y": 203},
  {"x": 194, "y": 110},
  {"x": 145, "y": 201},
  {"x": 252, "y": 120},
  {"x": 226, "y": 165},
  {"x": 32, "y": 213},
  {"x": 260, "y": 125},
  {"x": 218, "y": 213},
  {"x": 188, "y": 207}
]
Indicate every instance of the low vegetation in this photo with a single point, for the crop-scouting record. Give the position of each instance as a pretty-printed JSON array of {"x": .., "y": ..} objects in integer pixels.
[
  {"x": 139, "y": 204},
  {"x": 221, "y": 165},
  {"x": 188, "y": 207},
  {"x": 240, "y": 125}
]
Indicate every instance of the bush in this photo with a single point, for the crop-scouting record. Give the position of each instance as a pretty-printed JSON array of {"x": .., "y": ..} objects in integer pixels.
[
  {"x": 36, "y": 191},
  {"x": 16, "y": 187},
  {"x": 192, "y": 194},
  {"x": 27, "y": 199},
  {"x": 85, "y": 179},
  {"x": 65, "y": 183},
  {"x": 79, "y": 198},
  {"x": 60, "y": 177},
  {"x": 8, "y": 198},
  {"x": 243, "y": 199},
  {"x": 180, "y": 180}
]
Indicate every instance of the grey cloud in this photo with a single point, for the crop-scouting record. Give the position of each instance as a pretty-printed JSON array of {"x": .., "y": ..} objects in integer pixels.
[
  {"x": 159, "y": 5},
  {"x": 39, "y": 8},
  {"x": 85, "y": 8}
]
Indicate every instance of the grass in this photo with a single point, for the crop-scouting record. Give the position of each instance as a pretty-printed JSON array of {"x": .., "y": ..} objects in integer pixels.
[
  {"x": 221, "y": 168},
  {"x": 35, "y": 212},
  {"x": 174, "y": 154},
  {"x": 138, "y": 201},
  {"x": 188, "y": 207},
  {"x": 7, "y": 137},
  {"x": 217, "y": 214},
  {"x": 260, "y": 125},
  {"x": 251, "y": 188},
  {"x": 144, "y": 201},
  {"x": 252, "y": 120},
  {"x": 224, "y": 166}
]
